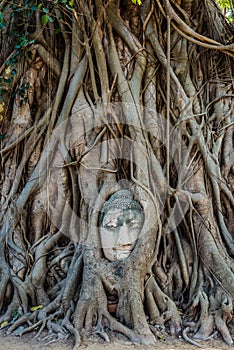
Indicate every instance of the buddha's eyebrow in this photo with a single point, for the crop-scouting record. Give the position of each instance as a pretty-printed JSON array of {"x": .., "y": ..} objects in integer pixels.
[
  {"x": 136, "y": 216},
  {"x": 114, "y": 220}
]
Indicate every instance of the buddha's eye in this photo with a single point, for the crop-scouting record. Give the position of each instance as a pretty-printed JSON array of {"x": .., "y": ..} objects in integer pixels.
[
  {"x": 135, "y": 224},
  {"x": 111, "y": 225}
]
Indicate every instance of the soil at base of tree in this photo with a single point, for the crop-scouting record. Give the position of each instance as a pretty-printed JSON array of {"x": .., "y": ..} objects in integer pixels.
[{"x": 27, "y": 342}]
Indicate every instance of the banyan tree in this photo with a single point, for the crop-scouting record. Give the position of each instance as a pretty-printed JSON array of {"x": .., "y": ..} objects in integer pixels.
[{"x": 117, "y": 168}]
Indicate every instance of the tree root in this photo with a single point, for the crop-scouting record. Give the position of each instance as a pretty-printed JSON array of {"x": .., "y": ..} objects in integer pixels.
[
  {"x": 116, "y": 326},
  {"x": 222, "y": 328},
  {"x": 74, "y": 332},
  {"x": 163, "y": 304},
  {"x": 100, "y": 331},
  {"x": 189, "y": 340},
  {"x": 216, "y": 312}
]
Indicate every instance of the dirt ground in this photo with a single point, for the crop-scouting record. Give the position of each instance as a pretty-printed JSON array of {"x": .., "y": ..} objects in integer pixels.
[{"x": 27, "y": 342}]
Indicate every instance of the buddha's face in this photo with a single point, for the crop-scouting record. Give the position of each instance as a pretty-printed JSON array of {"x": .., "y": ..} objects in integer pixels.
[{"x": 119, "y": 232}]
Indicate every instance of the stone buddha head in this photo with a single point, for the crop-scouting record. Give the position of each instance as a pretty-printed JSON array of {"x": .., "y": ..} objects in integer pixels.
[{"x": 121, "y": 221}]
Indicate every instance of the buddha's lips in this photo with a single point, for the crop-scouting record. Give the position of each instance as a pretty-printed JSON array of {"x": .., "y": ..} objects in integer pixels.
[
  {"x": 122, "y": 250},
  {"x": 124, "y": 247}
]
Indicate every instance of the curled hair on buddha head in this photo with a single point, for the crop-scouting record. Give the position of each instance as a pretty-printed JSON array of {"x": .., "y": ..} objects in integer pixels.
[{"x": 122, "y": 199}]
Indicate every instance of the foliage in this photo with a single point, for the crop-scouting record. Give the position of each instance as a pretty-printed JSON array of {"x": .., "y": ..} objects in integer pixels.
[
  {"x": 138, "y": 2},
  {"x": 227, "y": 7}
]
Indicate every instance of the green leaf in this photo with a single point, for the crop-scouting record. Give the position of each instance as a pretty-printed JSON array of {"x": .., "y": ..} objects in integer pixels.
[
  {"x": 71, "y": 3},
  {"x": 45, "y": 10},
  {"x": 8, "y": 81},
  {"x": 2, "y": 21},
  {"x": 3, "y": 91},
  {"x": 138, "y": 2},
  {"x": 44, "y": 19},
  {"x": 38, "y": 307},
  {"x": 69, "y": 7},
  {"x": 24, "y": 42},
  {"x": 161, "y": 336},
  {"x": 15, "y": 313}
]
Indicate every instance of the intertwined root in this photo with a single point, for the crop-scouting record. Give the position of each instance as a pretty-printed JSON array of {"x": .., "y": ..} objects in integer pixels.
[{"x": 207, "y": 314}]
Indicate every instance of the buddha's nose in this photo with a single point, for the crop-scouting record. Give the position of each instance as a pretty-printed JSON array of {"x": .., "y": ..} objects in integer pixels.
[{"x": 123, "y": 236}]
